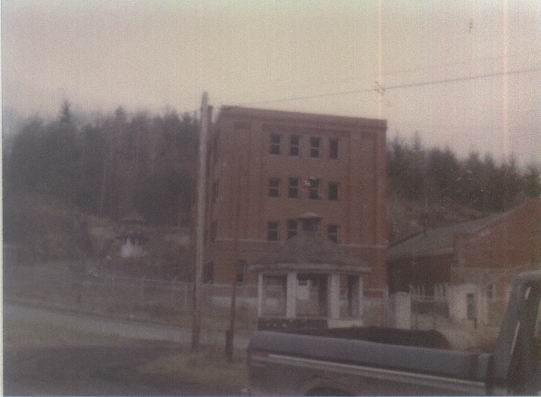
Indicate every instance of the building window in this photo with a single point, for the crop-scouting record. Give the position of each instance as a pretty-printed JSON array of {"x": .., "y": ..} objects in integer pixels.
[
  {"x": 215, "y": 192},
  {"x": 491, "y": 292},
  {"x": 315, "y": 144},
  {"x": 333, "y": 191},
  {"x": 240, "y": 273},
  {"x": 272, "y": 231},
  {"x": 213, "y": 231},
  {"x": 313, "y": 188},
  {"x": 208, "y": 273},
  {"x": 470, "y": 307},
  {"x": 333, "y": 148},
  {"x": 333, "y": 233},
  {"x": 294, "y": 143},
  {"x": 291, "y": 228},
  {"x": 275, "y": 143},
  {"x": 274, "y": 187},
  {"x": 293, "y": 189}
]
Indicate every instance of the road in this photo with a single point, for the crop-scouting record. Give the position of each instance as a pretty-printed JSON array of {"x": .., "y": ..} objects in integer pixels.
[
  {"x": 89, "y": 367},
  {"x": 84, "y": 370}
]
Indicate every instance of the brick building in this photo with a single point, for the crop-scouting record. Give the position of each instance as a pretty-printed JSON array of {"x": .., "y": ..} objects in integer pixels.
[
  {"x": 475, "y": 261},
  {"x": 266, "y": 168}
]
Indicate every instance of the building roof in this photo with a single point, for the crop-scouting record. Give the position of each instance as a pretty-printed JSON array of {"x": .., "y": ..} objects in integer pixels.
[
  {"x": 441, "y": 240},
  {"x": 310, "y": 253},
  {"x": 437, "y": 241},
  {"x": 288, "y": 116}
]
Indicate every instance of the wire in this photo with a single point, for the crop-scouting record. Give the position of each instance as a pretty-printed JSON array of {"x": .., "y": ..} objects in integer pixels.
[
  {"x": 471, "y": 62},
  {"x": 380, "y": 87}
]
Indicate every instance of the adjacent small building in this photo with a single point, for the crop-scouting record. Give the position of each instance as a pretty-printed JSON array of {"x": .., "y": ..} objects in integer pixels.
[
  {"x": 267, "y": 168},
  {"x": 469, "y": 264}
]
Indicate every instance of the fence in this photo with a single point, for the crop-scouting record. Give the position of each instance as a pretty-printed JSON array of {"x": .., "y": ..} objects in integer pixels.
[{"x": 164, "y": 301}]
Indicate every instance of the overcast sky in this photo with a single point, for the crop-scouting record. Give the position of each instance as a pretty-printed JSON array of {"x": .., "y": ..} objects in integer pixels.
[{"x": 153, "y": 54}]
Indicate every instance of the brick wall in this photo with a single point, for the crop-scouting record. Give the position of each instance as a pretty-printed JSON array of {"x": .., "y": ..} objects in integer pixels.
[
  {"x": 241, "y": 164},
  {"x": 513, "y": 240}
]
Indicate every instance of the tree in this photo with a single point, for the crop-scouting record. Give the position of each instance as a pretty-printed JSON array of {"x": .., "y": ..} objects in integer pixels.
[{"x": 532, "y": 181}]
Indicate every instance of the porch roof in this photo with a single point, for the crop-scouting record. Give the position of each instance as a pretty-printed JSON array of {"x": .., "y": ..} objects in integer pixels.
[{"x": 311, "y": 254}]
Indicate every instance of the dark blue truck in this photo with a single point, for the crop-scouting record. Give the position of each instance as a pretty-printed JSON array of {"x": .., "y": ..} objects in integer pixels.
[{"x": 387, "y": 362}]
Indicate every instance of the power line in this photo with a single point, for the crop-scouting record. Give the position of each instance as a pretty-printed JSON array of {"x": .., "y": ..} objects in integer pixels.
[
  {"x": 471, "y": 62},
  {"x": 379, "y": 87}
]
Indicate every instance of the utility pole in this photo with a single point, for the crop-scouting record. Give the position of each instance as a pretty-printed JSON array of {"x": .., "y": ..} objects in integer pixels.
[
  {"x": 200, "y": 222},
  {"x": 230, "y": 334}
]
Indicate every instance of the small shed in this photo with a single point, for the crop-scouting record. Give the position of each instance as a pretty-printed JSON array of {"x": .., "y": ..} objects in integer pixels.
[{"x": 309, "y": 281}]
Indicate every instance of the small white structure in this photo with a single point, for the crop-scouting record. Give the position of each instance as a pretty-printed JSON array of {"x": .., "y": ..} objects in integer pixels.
[{"x": 132, "y": 248}]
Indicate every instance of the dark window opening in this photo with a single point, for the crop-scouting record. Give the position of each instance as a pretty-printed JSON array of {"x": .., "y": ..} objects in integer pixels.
[
  {"x": 293, "y": 190},
  {"x": 272, "y": 231},
  {"x": 240, "y": 273},
  {"x": 313, "y": 188},
  {"x": 333, "y": 191},
  {"x": 333, "y": 148},
  {"x": 294, "y": 145},
  {"x": 315, "y": 144},
  {"x": 213, "y": 231},
  {"x": 208, "y": 273},
  {"x": 275, "y": 144},
  {"x": 470, "y": 307},
  {"x": 291, "y": 228},
  {"x": 333, "y": 233},
  {"x": 274, "y": 187}
]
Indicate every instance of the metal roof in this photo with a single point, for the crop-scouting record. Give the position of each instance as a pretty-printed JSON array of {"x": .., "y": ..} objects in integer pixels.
[{"x": 437, "y": 241}]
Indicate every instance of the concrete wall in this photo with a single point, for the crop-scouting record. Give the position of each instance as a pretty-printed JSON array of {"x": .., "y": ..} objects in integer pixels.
[{"x": 457, "y": 297}]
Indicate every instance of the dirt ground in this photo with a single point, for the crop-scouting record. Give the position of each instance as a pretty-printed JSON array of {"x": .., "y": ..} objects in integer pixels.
[{"x": 43, "y": 357}]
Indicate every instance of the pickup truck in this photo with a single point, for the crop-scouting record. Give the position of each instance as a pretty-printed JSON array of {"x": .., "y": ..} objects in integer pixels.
[{"x": 342, "y": 362}]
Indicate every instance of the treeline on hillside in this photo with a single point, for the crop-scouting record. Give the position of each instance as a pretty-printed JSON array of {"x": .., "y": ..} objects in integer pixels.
[
  {"x": 112, "y": 166},
  {"x": 430, "y": 175}
]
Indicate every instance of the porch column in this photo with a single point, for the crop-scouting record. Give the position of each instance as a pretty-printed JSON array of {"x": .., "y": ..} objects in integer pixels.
[
  {"x": 334, "y": 296},
  {"x": 291, "y": 295},
  {"x": 259, "y": 294}
]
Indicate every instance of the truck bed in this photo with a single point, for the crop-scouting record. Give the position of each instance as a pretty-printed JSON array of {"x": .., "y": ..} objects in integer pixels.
[
  {"x": 373, "y": 354},
  {"x": 391, "y": 336}
]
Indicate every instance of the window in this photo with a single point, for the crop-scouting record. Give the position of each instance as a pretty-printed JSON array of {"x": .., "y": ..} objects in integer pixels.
[
  {"x": 240, "y": 271},
  {"x": 333, "y": 148},
  {"x": 274, "y": 187},
  {"x": 470, "y": 307},
  {"x": 294, "y": 145},
  {"x": 333, "y": 233},
  {"x": 208, "y": 272},
  {"x": 314, "y": 147},
  {"x": 333, "y": 191},
  {"x": 272, "y": 231},
  {"x": 491, "y": 292},
  {"x": 275, "y": 143},
  {"x": 215, "y": 192},
  {"x": 313, "y": 188},
  {"x": 213, "y": 231},
  {"x": 293, "y": 190},
  {"x": 291, "y": 228}
]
